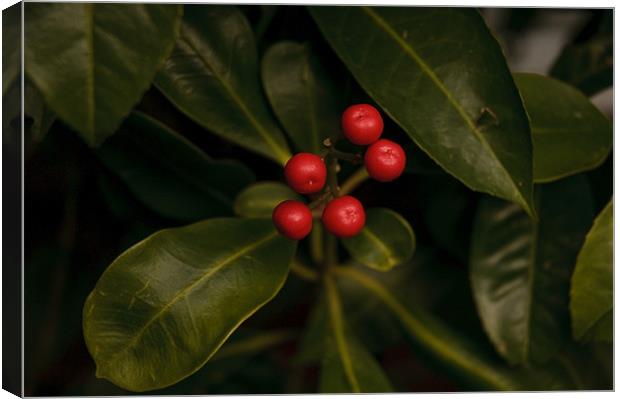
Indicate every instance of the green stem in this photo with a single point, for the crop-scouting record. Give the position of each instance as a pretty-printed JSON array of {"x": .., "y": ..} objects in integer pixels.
[
  {"x": 442, "y": 344},
  {"x": 256, "y": 343},
  {"x": 357, "y": 178},
  {"x": 316, "y": 241},
  {"x": 331, "y": 250},
  {"x": 337, "y": 327},
  {"x": 345, "y": 156},
  {"x": 303, "y": 271}
]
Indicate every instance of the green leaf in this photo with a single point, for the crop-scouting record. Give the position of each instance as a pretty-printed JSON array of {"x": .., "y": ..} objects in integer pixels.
[
  {"x": 588, "y": 66},
  {"x": 591, "y": 295},
  {"x": 347, "y": 367},
  {"x": 454, "y": 97},
  {"x": 259, "y": 199},
  {"x": 569, "y": 134},
  {"x": 387, "y": 240},
  {"x": 38, "y": 117},
  {"x": 212, "y": 76},
  {"x": 520, "y": 269},
  {"x": 93, "y": 62},
  {"x": 304, "y": 97},
  {"x": 167, "y": 304},
  {"x": 169, "y": 174},
  {"x": 453, "y": 350}
]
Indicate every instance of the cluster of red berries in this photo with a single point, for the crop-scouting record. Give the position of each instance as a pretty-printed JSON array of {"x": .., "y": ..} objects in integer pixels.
[{"x": 306, "y": 173}]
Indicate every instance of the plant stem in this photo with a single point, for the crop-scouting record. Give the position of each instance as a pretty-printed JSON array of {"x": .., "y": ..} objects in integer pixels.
[
  {"x": 435, "y": 337},
  {"x": 357, "y": 178},
  {"x": 345, "y": 156},
  {"x": 303, "y": 271},
  {"x": 331, "y": 251},
  {"x": 337, "y": 327},
  {"x": 332, "y": 174},
  {"x": 316, "y": 240},
  {"x": 256, "y": 343}
]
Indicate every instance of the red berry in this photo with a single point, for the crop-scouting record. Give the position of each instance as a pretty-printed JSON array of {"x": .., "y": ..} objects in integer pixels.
[
  {"x": 293, "y": 219},
  {"x": 305, "y": 173},
  {"x": 362, "y": 124},
  {"x": 385, "y": 160},
  {"x": 344, "y": 216}
]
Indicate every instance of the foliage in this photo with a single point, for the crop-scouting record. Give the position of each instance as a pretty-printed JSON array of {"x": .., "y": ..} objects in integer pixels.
[{"x": 175, "y": 122}]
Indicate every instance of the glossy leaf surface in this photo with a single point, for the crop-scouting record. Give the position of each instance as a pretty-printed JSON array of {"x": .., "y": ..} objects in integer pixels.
[
  {"x": 456, "y": 98},
  {"x": 569, "y": 133},
  {"x": 387, "y": 240},
  {"x": 212, "y": 76},
  {"x": 169, "y": 174},
  {"x": 259, "y": 200},
  {"x": 520, "y": 269},
  {"x": 93, "y": 62},
  {"x": 591, "y": 302},
  {"x": 166, "y": 305},
  {"x": 346, "y": 367},
  {"x": 302, "y": 94}
]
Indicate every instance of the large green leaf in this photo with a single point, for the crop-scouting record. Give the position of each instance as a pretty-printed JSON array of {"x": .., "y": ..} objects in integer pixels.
[
  {"x": 588, "y": 66},
  {"x": 212, "y": 76},
  {"x": 591, "y": 296},
  {"x": 259, "y": 200},
  {"x": 93, "y": 62},
  {"x": 454, "y": 97},
  {"x": 453, "y": 352},
  {"x": 166, "y": 305},
  {"x": 520, "y": 269},
  {"x": 387, "y": 240},
  {"x": 169, "y": 174},
  {"x": 304, "y": 97},
  {"x": 347, "y": 367},
  {"x": 569, "y": 133}
]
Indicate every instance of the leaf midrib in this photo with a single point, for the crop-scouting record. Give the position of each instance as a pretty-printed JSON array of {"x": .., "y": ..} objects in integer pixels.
[
  {"x": 384, "y": 25},
  {"x": 382, "y": 247},
  {"x": 188, "y": 289},
  {"x": 337, "y": 322},
  {"x": 280, "y": 153}
]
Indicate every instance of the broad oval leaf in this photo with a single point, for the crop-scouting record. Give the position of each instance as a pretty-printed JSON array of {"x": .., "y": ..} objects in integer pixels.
[
  {"x": 520, "y": 269},
  {"x": 347, "y": 366},
  {"x": 591, "y": 302},
  {"x": 212, "y": 76},
  {"x": 167, "y": 304},
  {"x": 569, "y": 133},
  {"x": 302, "y": 94},
  {"x": 456, "y": 98},
  {"x": 387, "y": 240},
  {"x": 259, "y": 199},
  {"x": 169, "y": 174},
  {"x": 93, "y": 62}
]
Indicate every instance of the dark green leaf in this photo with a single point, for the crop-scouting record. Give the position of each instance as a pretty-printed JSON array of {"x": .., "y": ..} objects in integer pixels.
[
  {"x": 569, "y": 133},
  {"x": 302, "y": 94},
  {"x": 93, "y": 62},
  {"x": 454, "y": 97},
  {"x": 591, "y": 296},
  {"x": 38, "y": 116},
  {"x": 387, "y": 240},
  {"x": 347, "y": 366},
  {"x": 169, "y": 174},
  {"x": 520, "y": 269},
  {"x": 212, "y": 76},
  {"x": 166, "y": 305},
  {"x": 258, "y": 200},
  {"x": 588, "y": 66}
]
